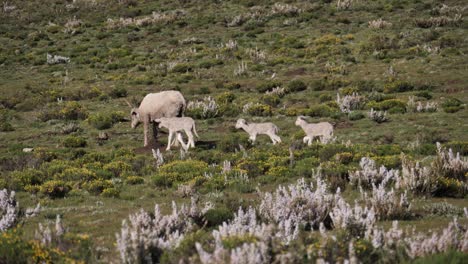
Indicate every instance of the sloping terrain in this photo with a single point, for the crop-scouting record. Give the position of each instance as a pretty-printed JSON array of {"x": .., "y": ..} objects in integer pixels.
[{"x": 390, "y": 76}]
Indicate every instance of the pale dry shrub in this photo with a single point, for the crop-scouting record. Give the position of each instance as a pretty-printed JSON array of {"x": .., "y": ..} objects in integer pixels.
[
  {"x": 415, "y": 178},
  {"x": 356, "y": 220},
  {"x": 46, "y": 236},
  {"x": 448, "y": 164},
  {"x": 388, "y": 240},
  {"x": 56, "y": 59},
  {"x": 344, "y": 4},
  {"x": 379, "y": 24},
  {"x": 246, "y": 253},
  {"x": 244, "y": 224},
  {"x": 72, "y": 26},
  {"x": 208, "y": 107},
  {"x": 241, "y": 69},
  {"x": 453, "y": 237},
  {"x": 279, "y": 91},
  {"x": 378, "y": 116},
  {"x": 145, "y": 236},
  {"x": 387, "y": 204},
  {"x": 285, "y": 9},
  {"x": 9, "y": 209},
  {"x": 296, "y": 205},
  {"x": 349, "y": 102},
  {"x": 154, "y": 18},
  {"x": 369, "y": 174}
]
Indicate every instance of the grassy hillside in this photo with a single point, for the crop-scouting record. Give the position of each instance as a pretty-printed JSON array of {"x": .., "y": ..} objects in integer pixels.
[{"x": 258, "y": 60}]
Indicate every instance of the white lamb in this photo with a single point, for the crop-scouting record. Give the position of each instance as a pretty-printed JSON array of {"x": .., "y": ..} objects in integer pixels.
[
  {"x": 176, "y": 125},
  {"x": 323, "y": 130},
  {"x": 254, "y": 129}
]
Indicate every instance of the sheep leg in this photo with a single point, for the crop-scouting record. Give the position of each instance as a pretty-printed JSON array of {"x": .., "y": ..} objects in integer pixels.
[
  {"x": 145, "y": 133},
  {"x": 182, "y": 143},
  {"x": 175, "y": 142},
  {"x": 253, "y": 137},
  {"x": 155, "y": 131},
  {"x": 191, "y": 141},
  {"x": 277, "y": 138},
  {"x": 169, "y": 140},
  {"x": 274, "y": 138},
  {"x": 323, "y": 139}
]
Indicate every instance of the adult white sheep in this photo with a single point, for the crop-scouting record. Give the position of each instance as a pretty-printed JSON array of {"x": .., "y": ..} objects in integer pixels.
[
  {"x": 254, "y": 129},
  {"x": 176, "y": 125},
  {"x": 157, "y": 105},
  {"x": 323, "y": 130}
]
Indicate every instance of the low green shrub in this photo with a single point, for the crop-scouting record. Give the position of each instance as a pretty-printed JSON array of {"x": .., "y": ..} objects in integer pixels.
[
  {"x": 354, "y": 115},
  {"x": 448, "y": 187},
  {"x": 111, "y": 192},
  {"x": 216, "y": 216},
  {"x": 73, "y": 111},
  {"x": 330, "y": 150},
  {"x": 179, "y": 171},
  {"x": 100, "y": 121},
  {"x": 13, "y": 249},
  {"x": 68, "y": 111},
  {"x": 76, "y": 174},
  {"x": 133, "y": 180},
  {"x": 386, "y": 104},
  {"x": 5, "y": 118},
  {"x": 304, "y": 167},
  {"x": 253, "y": 167},
  {"x": 225, "y": 98},
  {"x": 96, "y": 187},
  {"x": 458, "y": 146},
  {"x": 344, "y": 157},
  {"x": 296, "y": 86},
  {"x": 104, "y": 121},
  {"x": 74, "y": 142},
  {"x": 231, "y": 141},
  {"x": 118, "y": 92},
  {"x": 232, "y": 86},
  {"x": 398, "y": 86},
  {"x": 451, "y": 256},
  {"x": 267, "y": 86},
  {"x": 55, "y": 188},
  {"x": 452, "y": 105},
  {"x": 181, "y": 68},
  {"x": 271, "y": 99},
  {"x": 424, "y": 94},
  {"x": 319, "y": 111},
  {"x": 206, "y": 64},
  {"x": 325, "y": 98},
  {"x": 259, "y": 109},
  {"x": 328, "y": 84},
  {"x": 390, "y": 161},
  {"x": 18, "y": 180},
  {"x": 118, "y": 167}
]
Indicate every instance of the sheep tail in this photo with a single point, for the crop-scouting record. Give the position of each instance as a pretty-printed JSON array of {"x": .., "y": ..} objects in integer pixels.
[{"x": 195, "y": 131}]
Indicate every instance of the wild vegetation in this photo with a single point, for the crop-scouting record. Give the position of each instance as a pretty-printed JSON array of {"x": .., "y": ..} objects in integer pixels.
[{"x": 389, "y": 184}]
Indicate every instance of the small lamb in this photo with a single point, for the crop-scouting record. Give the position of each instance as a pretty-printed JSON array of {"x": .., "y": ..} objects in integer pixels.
[
  {"x": 253, "y": 129},
  {"x": 323, "y": 130},
  {"x": 176, "y": 125}
]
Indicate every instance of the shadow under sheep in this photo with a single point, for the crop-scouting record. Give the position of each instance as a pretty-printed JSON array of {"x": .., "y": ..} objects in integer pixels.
[{"x": 153, "y": 144}]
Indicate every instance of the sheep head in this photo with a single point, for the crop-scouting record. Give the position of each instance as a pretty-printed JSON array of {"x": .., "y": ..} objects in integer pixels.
[
  {"x": 240, "y": 123},
  {"x": 300, "y": 120},
  {"x": 135, "y": 115}
]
